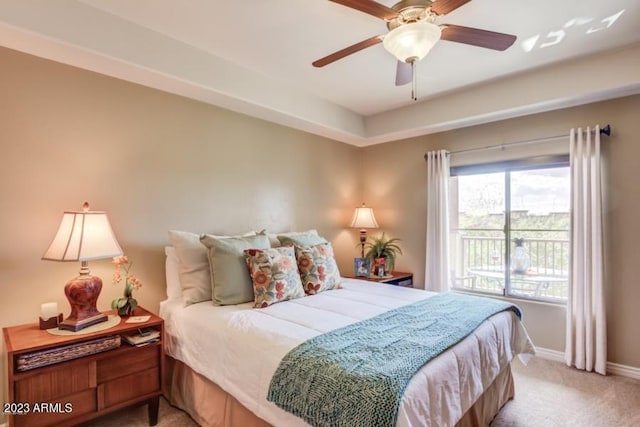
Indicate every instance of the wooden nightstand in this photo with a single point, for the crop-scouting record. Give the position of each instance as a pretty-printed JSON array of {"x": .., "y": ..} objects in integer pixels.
[
  {"x": 81, "y": 389},
  {"x": 398, "y": 279}
]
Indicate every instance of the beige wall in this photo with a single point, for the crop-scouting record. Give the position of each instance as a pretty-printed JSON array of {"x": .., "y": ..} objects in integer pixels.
[
  {"x": 394, "y": 177},
  {"x": 154, "y": 162}
]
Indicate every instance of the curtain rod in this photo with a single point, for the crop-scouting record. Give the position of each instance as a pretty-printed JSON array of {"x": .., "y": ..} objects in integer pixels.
[{"x": 605, "y": 130}]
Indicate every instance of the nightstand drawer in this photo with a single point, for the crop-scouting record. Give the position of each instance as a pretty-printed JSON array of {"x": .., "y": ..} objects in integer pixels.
[
  {"x": 128, "y": 388},
  {"x": 139, "y": 359},
  {"x": 56, "y": 411},
  {"x": 407, "y": 283},
  {"x": 54, "y": 382}
]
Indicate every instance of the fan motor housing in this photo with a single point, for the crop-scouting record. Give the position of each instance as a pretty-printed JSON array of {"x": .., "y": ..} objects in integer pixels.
[{"x": 411, "y": 11}]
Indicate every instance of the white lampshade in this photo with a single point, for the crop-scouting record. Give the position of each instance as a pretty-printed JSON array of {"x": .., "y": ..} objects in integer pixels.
[
  {"x": 412, "y": 41},
  {"x": 364, "y": 218},
  {"x": 83, "y": 236}
]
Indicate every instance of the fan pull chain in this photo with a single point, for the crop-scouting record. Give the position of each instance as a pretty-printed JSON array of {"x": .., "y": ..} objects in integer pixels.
[{"x": 414, "y": 81}]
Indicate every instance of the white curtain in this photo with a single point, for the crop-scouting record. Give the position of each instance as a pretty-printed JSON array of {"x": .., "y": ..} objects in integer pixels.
[
  {"x": 586, "y": 341},
  {"x": 437, "y": 255}
]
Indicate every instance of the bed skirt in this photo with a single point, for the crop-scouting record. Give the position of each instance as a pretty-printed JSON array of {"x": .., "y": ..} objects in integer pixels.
[{"x": 210, "y": 406}]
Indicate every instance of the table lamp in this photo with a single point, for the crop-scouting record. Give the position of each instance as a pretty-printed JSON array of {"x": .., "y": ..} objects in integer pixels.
[
  {"x": 363, "y": 218},
  {"x": 83, "y": 236}
]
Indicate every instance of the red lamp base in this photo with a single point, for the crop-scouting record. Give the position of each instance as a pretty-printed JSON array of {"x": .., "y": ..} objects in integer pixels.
[{"x": 82, "y": 293}]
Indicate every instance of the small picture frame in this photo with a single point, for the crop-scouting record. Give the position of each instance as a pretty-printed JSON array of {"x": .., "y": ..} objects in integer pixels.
[{"x": 362, "y": 267}]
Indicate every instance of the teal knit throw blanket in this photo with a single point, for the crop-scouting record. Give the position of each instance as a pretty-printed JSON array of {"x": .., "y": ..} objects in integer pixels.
[{"x": 356, "y": 375}]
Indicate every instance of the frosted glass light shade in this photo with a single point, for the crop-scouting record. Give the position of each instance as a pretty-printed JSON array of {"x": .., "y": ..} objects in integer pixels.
[
  {"x": 412, "y": 41},
  {"x": 364, "y": 218},
  {"x": 83, "y": 236}
]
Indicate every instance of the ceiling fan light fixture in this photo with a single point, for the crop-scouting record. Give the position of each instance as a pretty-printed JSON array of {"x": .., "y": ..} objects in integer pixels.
[{"x": 413, "y": 41}]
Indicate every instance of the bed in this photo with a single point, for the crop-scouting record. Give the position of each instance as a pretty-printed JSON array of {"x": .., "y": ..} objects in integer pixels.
[{"x": 220, "y": 360}]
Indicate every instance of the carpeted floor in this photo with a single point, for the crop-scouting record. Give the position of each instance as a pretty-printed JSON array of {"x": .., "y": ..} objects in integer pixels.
[
  {"x": 548, "y": 394},
  {"x": 552, "y": 394}
]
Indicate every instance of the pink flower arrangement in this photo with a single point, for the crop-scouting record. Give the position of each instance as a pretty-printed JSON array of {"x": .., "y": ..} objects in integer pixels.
[{"x": 126, "y": 304}]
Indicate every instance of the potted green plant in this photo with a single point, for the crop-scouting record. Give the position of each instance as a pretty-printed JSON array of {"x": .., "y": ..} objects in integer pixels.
[{"x": 379, "y": 248}]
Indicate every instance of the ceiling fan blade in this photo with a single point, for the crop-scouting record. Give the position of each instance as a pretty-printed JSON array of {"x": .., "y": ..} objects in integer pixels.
[
  {"x": 476, "y": 37},
  {"x": 442, "y": 7},
  {"x": 404, "y": 73},
  {"x": 347, "y": 51},
  {"x": 371, "y": 7}
]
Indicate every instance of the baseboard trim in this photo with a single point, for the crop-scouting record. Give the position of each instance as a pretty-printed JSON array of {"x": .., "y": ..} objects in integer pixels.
[
  {"x": 548, "y": 354},
  {"x": 623, "y": 370},
  {"x": 612, "y": 368}
]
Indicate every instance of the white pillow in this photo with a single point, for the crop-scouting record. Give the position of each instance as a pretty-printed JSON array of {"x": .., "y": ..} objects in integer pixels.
[
  {"x": 275, "y": 243},
  {"x": 194, "y": 272},
  {"x": 171, "y": 267}
]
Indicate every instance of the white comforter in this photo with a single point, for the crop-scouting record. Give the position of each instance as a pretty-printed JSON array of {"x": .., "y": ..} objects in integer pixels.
[{"x": 239, "y": 349}]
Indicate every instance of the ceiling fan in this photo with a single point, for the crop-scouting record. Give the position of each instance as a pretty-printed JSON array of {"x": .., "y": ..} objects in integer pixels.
[{"x": 413, "y": 32}]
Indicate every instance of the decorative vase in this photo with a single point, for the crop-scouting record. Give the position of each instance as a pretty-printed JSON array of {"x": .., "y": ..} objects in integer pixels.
[
  {"x": 379, "y": 267},
  {"x": 127, "y": 309},
  {"x": 126, "y": 306},
  {"x": 520, "y": 261}
]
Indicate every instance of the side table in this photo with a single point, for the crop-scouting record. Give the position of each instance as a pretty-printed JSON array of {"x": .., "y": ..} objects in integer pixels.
[
  {"x": 78, "y": 390},
  {"x": 397, "y": 278}
]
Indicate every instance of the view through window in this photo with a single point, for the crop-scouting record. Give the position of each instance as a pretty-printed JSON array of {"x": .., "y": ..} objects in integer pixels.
[{"x": 510, "y": 232}]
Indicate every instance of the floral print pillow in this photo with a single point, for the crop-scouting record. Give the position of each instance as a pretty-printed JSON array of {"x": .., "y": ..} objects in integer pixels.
[
  {"x": 274, "y": 275},
  {"x": 318, "y": 269}
]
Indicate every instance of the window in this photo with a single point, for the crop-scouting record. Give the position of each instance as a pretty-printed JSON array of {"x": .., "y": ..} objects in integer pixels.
[{"x": 510, "y": 228}]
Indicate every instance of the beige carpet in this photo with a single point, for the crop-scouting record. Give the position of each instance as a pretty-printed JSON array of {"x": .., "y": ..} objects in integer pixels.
[
  {"x": 547, "y": 394},
  {"x": 552, "y": 394}
]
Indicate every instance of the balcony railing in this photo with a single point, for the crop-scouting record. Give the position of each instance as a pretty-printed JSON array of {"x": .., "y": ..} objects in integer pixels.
[{"x": 480, "y": 264}]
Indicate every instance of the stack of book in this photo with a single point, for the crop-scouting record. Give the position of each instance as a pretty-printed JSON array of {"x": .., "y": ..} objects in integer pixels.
[{"x": 142, "y": 337}]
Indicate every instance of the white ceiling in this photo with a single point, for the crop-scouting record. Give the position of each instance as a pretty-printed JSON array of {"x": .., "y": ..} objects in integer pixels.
[{"x": 255, "y": 57}]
